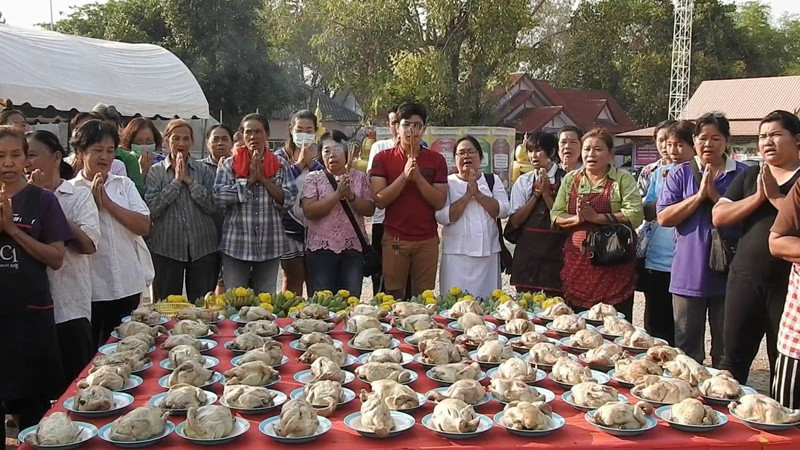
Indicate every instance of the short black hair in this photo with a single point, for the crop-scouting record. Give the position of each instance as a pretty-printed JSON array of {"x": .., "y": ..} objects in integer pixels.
[
  {"x": 788, "y": 121},
  {"x": 335, "y": 136},
  {"x": 408, "y": 109},
  {"x": 93, "y": 131},
  {"x": 472, "y": 140},
  {"x": 662, "y": 125},
  {"x": 257, "y": 117},
  {"x": 572, "y": 128},
  {"x": 83, "y": 117},
  {"x": 547, "y": 142},
  {"x": 6, "y": 115},
  {"x": 49, "y": 140},
  {"x": 224, "y": 127},
  {"x": 714, "y": 118},
  {"x": 393, "y": 109},
  {"x": 682, "y": 130}
]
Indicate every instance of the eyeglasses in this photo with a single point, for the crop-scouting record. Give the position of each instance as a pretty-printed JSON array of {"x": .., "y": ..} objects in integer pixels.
[
  {"x": 463, "y": 153},
  {"x": 718, "y": 115},
  {"x": 411, "y": 126}
]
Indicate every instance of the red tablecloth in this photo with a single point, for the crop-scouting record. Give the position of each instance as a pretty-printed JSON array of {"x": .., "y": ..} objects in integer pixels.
[{"x": 576, "y": 434}]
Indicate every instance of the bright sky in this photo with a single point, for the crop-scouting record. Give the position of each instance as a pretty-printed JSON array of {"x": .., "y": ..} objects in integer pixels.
[{"x": 26, "y": 13}]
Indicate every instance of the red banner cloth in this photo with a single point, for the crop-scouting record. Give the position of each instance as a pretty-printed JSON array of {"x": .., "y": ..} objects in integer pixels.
[{"x": 576, "y": 434}]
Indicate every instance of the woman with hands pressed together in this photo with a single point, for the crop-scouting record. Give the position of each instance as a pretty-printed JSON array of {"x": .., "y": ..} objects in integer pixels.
[
  {"x": 117, "y": 276},
  {"x": 757, "y": 281},
  {"x": 33, "y": 230},
  {"x": 470, "y": 238},
  {"x": 253, "y": 186},
  {"x": 686, "y": 204},
  {"x": 599, "y": 194},
  {"x": 335, "y": 260}
]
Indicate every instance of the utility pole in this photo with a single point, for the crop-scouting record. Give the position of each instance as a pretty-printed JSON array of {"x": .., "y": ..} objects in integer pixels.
[{"x": 681, "y": 72}]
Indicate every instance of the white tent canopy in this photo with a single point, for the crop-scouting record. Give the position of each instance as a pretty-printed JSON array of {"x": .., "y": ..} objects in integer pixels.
[{"x": 44, "y": 68}]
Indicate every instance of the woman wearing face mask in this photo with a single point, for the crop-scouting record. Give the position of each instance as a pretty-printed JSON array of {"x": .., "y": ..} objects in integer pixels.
[
  {"x": 677, "y": 141},
  {"x": 301, "y": 152},
  {"x": 334, "y": 255},
  {"x": 253, "y": 186},
  {"x": 32, "y": 240},
  {"x": 686, "y": 204},
  {"x": 757, "y": 281},
  {"x": 538, "y": 257},
  {"x": 142, "y": 139},
  {"x": 569, "y": 148},
  {"x": 599, "y": 194},
  {"x": 117, "y": 276},
  {"x": 470, "y": 238},
  {"x": 184, "y": 238},
  {"x": 71, "y": 285}
]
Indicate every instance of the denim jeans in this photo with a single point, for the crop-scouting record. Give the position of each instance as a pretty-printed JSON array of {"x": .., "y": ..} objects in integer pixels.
[
  {"x": 335, "y": 271},
  {"x": 237, "y": 273},
  {"x": 689, "y": 314}
]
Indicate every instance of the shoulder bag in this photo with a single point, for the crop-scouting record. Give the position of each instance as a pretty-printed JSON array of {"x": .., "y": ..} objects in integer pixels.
[
  {"x": 611, "y": 244},
  {"x": 505, "y": 254},
  {"x": 721, "y": 251}
]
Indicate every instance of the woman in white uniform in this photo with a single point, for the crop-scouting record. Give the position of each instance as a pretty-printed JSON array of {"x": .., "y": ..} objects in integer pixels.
[{"x": 470, "y": 237}]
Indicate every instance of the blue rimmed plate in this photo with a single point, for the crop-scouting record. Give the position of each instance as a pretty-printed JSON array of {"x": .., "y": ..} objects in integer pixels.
[
  {"x": 209, "y": 363},
  {"x": 549, "y": 395},
  {"x": 87, "y": 432},
  {"x": 568, "y": 399},
  {"x": 562, "y": 333},
  {"x": 131, "y": 383},
  {"x": 764, "y": 426},
  {"x": 486, "y": 398},
  {"x": 725, "y": 401},
  {"x": 658, "y": 341},
  {"x": 349, "y": 396},
  {"x": 281, "y": 332},
  {"x": 402, "y": 422},
  {"x": 537, "y": 328},
  {"x": 394, "y": 344},
  {"x": 267, "y": 427},
  {"x": 411, "y": 373},
  {"x": 546, "y": 367},
  {"x": 665, "y": 414},
  {"x": 163, "y": 320},
  {"x": 481, "y": 376},
  {"x": 121, "y": 401},
  {"x": 105, "y": 431},
  {"x": 158, "y": 398},
  {"x": 473, "y": 356},
  {"x": 108, "y": 348},
  {"x": 651, "y": 423},
  {"x": 540, "y": 375},
  {"x": 295, "y": 344},
  {"x": 595, "y": 366},
  {"x": 584, "y": 315},
  {"x": 556, "y": 422},
  {"x": 278, "y": 401},
  {"x": 407, "y": 358},
  {"x": 600, "y": 378},
  {"x": 306, "y": 377},
  {"x": 619, "y": 381},
  {"x": 217, "y": 377},
  {"x": 455, "y": 326},
  {"x": 237, "y": 360},
  {"x": 208, "y": 344},
  {"x": 384, "y": 326},
  {"x": 240, "y": 426},
  {"x": 418, "y": 356},
  {"x": 484, "y": 425},
  {"x": 331, "y": 316},
  {"x": 564, "y": 342}
]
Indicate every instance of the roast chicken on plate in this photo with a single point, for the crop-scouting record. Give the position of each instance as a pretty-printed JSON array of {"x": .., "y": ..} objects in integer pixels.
[
  {"x": 438, "y": 334},
  {"x": 357, "y": 324},
  {"x": 468, "y": 391},
  {"x": 691, "y": 411},
  {"x": 131, "y": 358},
  {"x": 527, "y": 416},
  {"x": 195, "y": 313},
  {"x": 183, "y": 396},
  {"x": 616, "y": 326},
  {"x": 687, "y": 369},
  {"x": 529, "y": 339},
  {"x": 248, "y": 397},
  {"x": 93, "y": 398},
  {"x": 313, "y": 311},
  {"x": 568, "y": 323},
  {"x": 175, "y": 340},
  {"x": 439, "y": 352},
  {"x": 568, "y": 371},
  {"x": 721, "y": 385},
  {"x": 634, "y": 370},
  {"x": 184, "y": 353},
  {"x": 265, "y": 328},
  {"x": 251, "y": 313},
  {"x": 456, "y": 371},
  {"x": 335, "y": 354},
  {"x": 55, "y": 429},
  {"x": 305, "y": 326},
  {"x": 507, "y": 390},
  {"x": 375, "y": 415},
  {"x": 592, "y": 395},
  {"x": 585, "y": 339},
  {"x": 664, "y": 389},
  {"x": 297, "y": 419},
  {"x": 111, "y": 377},
  {"x": 253, "y": 373},
  {"x": 208, "y": 422},
  {"x": 494, "y": 352},
  {"x": 545, "y": 353},
  {"x": 144, "y": 422},
  {"x": 139, "y": 343},
  {"x": 372, "y": 338},
  {"x": 605, "y": 355},
  {"x": 558, "y": 309},
  {"x": 762, "y": 409},
  {"x": 146, "y": 314},
  {"x": 417, "y": 322},
  {"x": 383, "y": 371},
  {"x": 194, "y": 328},
  {"x": 190, "y": 372},
  {"x": 324, "y": 394},
  {"x": 510, "y": 310},
  {"x": 662, "y": 354},
  {"x": 600, "y": 311},
  {"x": 270, "y": 353},
  {"x": 516, "y": 369},
  {"x": 133, "y": 327},
  {"x": 393, "y": 355},
  {"x": 248, "y": 341},
  {"x": 368, "y": 310},
  {"x": 465, "y": 306},
  {"x": 395, "y": 395},
  {"x": 637, "y": 339},
  {"x": 324, "y": 369},
  {"x": 405, "y": 309},
  {"x": 454, "y": 416},
  {"x": 470, "y": 319},
  {"x": 315, "y": 337},
  {"x": 623, "y": 416},
  {"x": 519, "y": 326}
]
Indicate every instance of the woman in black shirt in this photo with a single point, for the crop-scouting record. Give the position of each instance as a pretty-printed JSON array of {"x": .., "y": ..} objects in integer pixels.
[{"x": 757, "y": 281}]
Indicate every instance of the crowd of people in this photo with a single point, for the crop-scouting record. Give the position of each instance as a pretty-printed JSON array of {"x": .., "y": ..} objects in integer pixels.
[{"x": 85, "y": 230}]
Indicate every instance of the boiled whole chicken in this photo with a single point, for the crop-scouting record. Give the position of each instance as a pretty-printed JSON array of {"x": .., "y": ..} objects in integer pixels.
[
  {"x": 417, "y": 322},
  {"x": 383, "y": 371},
  {"x": 405, "y": 309},
  {"x": 721, "y": 385},
  {"x": 324, "y": 369},
  {"x": 190, "y": 372},
  {"x": 634, "y": 370},
  {"x": 271, "y": 354},
  {"x": 183, "y": 396},
  {"x": 454, "y": 416},
  {"x": 663, "y": 389},
  {"x": 516, "y": 369},
  {"x": 568, "y": 371},
  {"x": 477, "y": 335},
  {"x": 131, "y": 358},
  {"x": 305, "y": 326},
  {"x": 456, "y": 371},
  {"x": 253, "y": 373},
  {"x": 687, "y": 369},
  {"x": 357, "y": 324},
  {"x": 195, "y": 313},
  {"x": 372, "y": 338},
  {"x": 248, "y": 341},
  {"x": 390, "y": 355},
  {"x": 527, "y": 416},
  {"x": 662, "y": 354},
  {"x": 375, "y": 415},
  {"x": 558, "y": 309},
  {"x": 439, "y": 352},
  {"x": 519, "y": 326},
  {"x": 510, "y": 310},
  {"x": 615, "y": 326},
  {"x": 568, "y": 323},
  {"x": 507, "y": 390},
  {"x": 545, "y": 353},
  {"x": 313, "y": 311},
  {"x": 111, "y": 377},
  {"x": 325, "y": 394},
  {"x": 130, "y": 328},
  {"x": 468, "y": 391},
  {"x": 264, "y": 328},
  {"x": 585, "y": 339},
  {"x": 315, "y": 337},
  {"x": 592, "y": 395},
  {"x": 690, "y": 411},
  {"x": 605, "y": 355},
  {"x": 762, "y": 409},
  {"x": 140, "y": 424},
  {"x": 465, "y": 306},
  {"x": 601, "y": 311},
  {"x": 93, "y": 398},
  {"x": 368, "y": 310},
  {"x": 395, "y": 396},
  {"x": 251, "y": 313},
  {"x": 623, "y": 416},
  {"x": 335, "y": 354},
  {"x": 493, "y": 352},
  {"x": 55, "y": 429},
  {"x": 248, "y": 397},
  {"x": 637, "y": 339},
  {"x": 138, "y": 343},
  {"x": 298, "y": 419},
  {"x": 175, "y": 340},
  {"x": 146, "y": 314},
  {"x": 529, "y": 339},
  {"x": 183, "y": 353},
  {"x": 434, "y": 333},
  {"x": 469, "y": 320},
  {"x": 208, "y": 422},
  {"x": 194, "y": 328}
]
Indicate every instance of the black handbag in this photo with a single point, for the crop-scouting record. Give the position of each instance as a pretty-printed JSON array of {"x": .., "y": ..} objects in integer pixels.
[
  {"x": 610, "y": 245},
  {"x": 372, "y": 260},
  {"x": 721, "y": 251}
]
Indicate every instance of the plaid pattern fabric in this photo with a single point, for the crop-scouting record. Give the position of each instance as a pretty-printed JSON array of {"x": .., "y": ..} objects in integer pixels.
[
  {"x": 252, "y": 228},
  {"x": 644, "y": 176},
  {"x": 789, "y": 331}
]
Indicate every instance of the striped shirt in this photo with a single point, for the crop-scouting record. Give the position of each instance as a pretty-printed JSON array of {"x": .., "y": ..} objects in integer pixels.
[
  {"x": 252, "y": 228},
  {"x": 183, "y": 217}
]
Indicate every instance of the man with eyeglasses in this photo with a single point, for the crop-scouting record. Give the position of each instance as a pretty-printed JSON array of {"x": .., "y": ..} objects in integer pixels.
[{"x": 409, "y": 181}]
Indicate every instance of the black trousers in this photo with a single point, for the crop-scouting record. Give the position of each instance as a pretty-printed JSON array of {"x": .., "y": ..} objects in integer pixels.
[
  {"x": 108, "y": 314},
  {"x": 625, "y": 307},
  {"x": 201, "y": 276},
  {"x": 75, "y": 343},
  {"x": 784, "y": 387},
  {"x": 30, "y": 410},
  {"x": 658, "y": 320},
  {"x": 377, "y": 238},
  {"x": 752, "y": 309}
]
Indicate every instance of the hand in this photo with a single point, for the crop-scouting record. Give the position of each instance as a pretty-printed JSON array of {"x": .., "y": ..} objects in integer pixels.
[
  {"x": 255, "y": 169},
  {"x": 410, "y": 170},
  {"x": 770, "y": 184},
  {"x": 712, "y": 192},
  {"x": 542, "y": 184},
  {"x": 343, "y": 191},
  {"x": 760, "y": 194},
  {"x": 304, "y": 156},
  {"x": 6, "y": 213},
  {"x": 145, "y": 161},
  {"x": 99, "y": 190},
  {"x": 37, "y": 178},
  {"x": 702, "y": 191},
  {"x": 180, "y": 168},
  {"x": 580, "y": 205}
]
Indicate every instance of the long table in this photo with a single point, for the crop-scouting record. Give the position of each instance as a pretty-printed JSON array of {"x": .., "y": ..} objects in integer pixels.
[{"x": 577, "y": 433}]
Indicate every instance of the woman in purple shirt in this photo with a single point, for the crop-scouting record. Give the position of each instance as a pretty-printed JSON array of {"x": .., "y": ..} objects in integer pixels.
[{"x": 686, "y": 205}]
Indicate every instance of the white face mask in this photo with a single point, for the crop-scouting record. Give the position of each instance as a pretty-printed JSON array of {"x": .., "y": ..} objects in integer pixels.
[
  {"x": 301, "y": 139},
  {"x": 138, "y": 149}
]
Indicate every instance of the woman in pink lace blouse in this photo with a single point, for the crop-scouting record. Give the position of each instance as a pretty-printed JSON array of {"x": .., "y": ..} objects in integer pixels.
[{"x": 333, "y": 256}]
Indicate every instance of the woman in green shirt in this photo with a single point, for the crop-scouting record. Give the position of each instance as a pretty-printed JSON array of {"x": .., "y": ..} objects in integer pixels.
[{"x": 597, "y": 195}]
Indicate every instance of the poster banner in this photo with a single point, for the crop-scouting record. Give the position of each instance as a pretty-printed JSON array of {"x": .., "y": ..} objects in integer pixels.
[{"x": 645, "y": 154}]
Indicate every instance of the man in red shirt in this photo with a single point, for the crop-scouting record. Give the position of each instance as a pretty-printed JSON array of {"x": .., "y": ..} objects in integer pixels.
[{"x": 410, "y": 183}]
